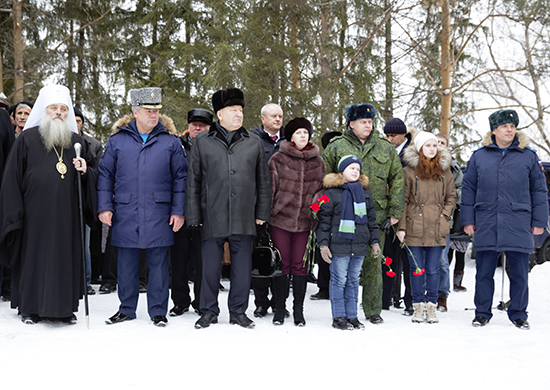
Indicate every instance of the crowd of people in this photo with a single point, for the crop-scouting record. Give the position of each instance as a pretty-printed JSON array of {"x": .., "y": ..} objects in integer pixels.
[{"x": 156, "y": 208}]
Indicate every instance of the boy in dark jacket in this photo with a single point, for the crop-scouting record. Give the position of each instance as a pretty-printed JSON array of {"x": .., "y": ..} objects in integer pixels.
[{"x": 347, "y": 226}]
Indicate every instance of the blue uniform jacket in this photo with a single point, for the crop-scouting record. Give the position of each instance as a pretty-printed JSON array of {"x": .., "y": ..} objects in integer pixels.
[
  {"x": 504, "y": 194},
  {"x": 142, "y": 184}
]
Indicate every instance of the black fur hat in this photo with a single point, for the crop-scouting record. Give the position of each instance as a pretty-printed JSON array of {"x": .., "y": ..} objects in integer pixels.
[
  {"x": 360, "y": 111},
  {"x": 295, "y": 124},
  {"x": 200, "y": 115},
  {"x": 325, "y": 139},
  {"x": 77, "y": 112},
  {"x": 227, "y": 97},
  {"x": 501, "y": 117}
]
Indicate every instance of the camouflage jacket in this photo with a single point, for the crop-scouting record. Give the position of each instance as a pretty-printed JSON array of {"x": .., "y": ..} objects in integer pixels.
[{"x": 381, "y": 165}]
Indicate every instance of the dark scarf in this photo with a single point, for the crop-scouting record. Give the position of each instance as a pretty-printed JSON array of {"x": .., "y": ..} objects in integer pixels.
[{"x": 354, "y": 209}]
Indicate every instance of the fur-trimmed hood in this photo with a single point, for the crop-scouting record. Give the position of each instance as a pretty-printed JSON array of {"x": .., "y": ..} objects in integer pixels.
[
  {"x": 126, "y": 119},
  {"x": 334, "y": 180},
  {"x": 411, "y": 156},
  {"x": 522, "y": 138}
]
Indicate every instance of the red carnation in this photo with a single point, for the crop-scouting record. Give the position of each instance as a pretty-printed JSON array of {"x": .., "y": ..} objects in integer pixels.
[
  {"x": 315, "y": 207},
  {"x": 391, "y": 274},
  {"x": 418, "y": 272},
  {"x": 324, "y": 199},
  {"x": 388, "y": 261}
]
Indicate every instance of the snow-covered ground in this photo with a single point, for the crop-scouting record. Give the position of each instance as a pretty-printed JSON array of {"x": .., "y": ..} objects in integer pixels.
[{"x": 396, "y": 354}]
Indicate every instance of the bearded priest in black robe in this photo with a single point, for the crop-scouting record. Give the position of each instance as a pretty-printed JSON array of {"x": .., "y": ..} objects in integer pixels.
[{"x": 40, "y": 236}]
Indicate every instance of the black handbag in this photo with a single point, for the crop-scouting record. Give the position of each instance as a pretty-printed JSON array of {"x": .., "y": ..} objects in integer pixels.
[
  {"x": 266, "y": 259},
  {"x": 457, "y": 229}
]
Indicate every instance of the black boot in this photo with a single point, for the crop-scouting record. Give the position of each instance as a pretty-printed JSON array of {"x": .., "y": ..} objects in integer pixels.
[
  {"x": 299, "y": 285},
  {"x": 280, "y": 287},
  {"x": 457, "y": 281}
]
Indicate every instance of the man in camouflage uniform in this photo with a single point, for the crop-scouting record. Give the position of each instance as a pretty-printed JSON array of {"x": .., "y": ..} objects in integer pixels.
[{"x": 381, "y": 164}]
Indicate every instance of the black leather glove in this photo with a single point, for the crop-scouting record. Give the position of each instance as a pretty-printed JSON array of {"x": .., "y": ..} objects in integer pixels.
[{"x": 386, "y": 226}]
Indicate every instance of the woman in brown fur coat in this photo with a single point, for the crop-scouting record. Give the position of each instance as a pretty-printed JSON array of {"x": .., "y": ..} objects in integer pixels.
[{"x": 297, "y": 173}]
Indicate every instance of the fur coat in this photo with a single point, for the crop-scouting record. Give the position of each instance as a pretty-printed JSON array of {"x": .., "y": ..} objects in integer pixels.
[{"x": 296, "y": 179}]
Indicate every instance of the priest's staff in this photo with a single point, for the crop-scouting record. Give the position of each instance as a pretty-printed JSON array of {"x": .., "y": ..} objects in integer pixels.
[{"x": 77, "y": 148}]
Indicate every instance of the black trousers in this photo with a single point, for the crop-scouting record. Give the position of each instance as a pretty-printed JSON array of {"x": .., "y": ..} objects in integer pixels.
[
  {"x": 401, "y": 267},
  {"x": 323, "y": 275},
  {"x": 241, "y": 268},
  {"x": 186, "y": 248}
]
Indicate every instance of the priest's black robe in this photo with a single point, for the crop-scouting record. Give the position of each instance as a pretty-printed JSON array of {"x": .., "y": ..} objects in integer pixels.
[{"x": 40, "y": 225}]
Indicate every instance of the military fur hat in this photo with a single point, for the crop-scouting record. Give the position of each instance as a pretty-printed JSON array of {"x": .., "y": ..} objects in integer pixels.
[
  {"x": 501, "y": 117},
  {"x": 200, "y": 115},
  {"x": 146, "y": 97},
  {"x": 227, "y": 97},
  {"x": 360, "y": 111},
  {"x": 295, "y": 124}
]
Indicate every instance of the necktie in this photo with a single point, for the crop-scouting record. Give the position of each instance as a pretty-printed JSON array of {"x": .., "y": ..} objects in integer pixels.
[{"x": 273, "y": 137}]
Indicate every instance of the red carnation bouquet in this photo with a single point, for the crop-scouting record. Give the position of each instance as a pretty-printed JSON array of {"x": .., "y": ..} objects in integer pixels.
[{"x": 312, "y": 238}]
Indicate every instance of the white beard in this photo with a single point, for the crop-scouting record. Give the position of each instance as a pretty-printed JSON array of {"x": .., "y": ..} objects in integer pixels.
[{"x": 54, "y": 133}]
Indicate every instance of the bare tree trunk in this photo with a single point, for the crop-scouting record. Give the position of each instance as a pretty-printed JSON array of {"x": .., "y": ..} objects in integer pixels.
[
  {"x": 70, "y": 55},
  {"x": 18, "y": 50},
  {"x": 1, "y": 73},
  {"x": 388, "y": 110},
  {"x": 80, "y": 71},
  {"x": 295, "y": 72},
  {"x": 446, "y": 93}
]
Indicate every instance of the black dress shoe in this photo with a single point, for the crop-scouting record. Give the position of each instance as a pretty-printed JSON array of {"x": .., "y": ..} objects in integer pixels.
[
  {"x": 409, "y": 311},
  {"x": 375, "y": 319},
  {"x": 117, "y": 318},
  {"x": 205, "y": 320},
  {"x": 178, "y": 311},
  {"x": 71, "y": 320},
  {"x": 480, "y": 321},
  {"x": 107, "y": 288},
  {"x": 260, "y": 312},
  {"x": 241, "y": 320},
  {"x": 159, "y": 321},
  {"x": 521, "y": 323},
  {"x": 321, "y": 295},
  {"x": 30, "y": 319},
  {"x": 90, "y": 290}
]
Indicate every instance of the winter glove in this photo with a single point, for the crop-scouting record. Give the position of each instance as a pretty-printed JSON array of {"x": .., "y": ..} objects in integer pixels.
[
  {"x": 326, "y": 254},
  {"x": 386, "y": 226}
]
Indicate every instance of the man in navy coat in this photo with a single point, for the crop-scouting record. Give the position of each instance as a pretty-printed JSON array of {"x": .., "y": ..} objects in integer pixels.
[
  {"x": 504, "y": 202},
  {"x": 141, "y": 192}
]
